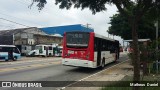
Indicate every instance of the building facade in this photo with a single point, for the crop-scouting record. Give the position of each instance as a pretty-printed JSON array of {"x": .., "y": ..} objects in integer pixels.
[{"x": 47, "y": 39}]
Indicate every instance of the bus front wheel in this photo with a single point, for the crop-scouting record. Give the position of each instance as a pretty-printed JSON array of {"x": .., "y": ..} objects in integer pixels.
[{"x": 15, "y": 59}]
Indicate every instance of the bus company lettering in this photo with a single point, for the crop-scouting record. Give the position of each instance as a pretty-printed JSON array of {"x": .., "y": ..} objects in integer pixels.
[
  {"x": 14, "y": 84},
  {"x": 34, "y": 85}
]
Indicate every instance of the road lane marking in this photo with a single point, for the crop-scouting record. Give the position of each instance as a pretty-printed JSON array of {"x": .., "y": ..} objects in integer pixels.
[
  {"x": 29, "y": 66},
  {"x": 28, "y": 61},
  {"x": 91, "y": 75}
]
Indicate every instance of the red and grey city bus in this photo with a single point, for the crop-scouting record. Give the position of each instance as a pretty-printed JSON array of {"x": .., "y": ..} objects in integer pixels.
[{"x": 87, "y": 49}]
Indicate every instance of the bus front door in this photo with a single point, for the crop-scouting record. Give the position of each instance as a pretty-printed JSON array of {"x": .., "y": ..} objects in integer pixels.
[{"x": 10, "y": 55}]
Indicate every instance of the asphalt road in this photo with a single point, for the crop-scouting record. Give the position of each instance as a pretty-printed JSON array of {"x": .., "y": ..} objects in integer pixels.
[{"x": 49, "y": 69}]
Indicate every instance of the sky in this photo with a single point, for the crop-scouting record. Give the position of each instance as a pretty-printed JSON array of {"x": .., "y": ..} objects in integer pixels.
[{"x": 18, "y": 11}]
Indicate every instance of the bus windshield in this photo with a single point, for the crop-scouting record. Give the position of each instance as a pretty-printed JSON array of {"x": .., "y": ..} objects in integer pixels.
[
  {"x": 38, "y": 47},
  {"x": 77, "y": 39},
  {"x": 8, "y": 49}
]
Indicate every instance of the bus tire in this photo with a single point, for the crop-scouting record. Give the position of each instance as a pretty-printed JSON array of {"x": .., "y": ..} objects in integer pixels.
[
  {"x": 15, "y": 58},
  {"x": 103, "y": 63}
]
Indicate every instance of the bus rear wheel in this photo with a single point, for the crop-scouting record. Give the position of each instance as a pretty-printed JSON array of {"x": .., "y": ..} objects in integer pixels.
[{"x": 103, "y": 64}]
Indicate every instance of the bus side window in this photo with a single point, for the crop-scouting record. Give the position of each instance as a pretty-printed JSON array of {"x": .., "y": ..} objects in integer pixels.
[
  {"x": 109, "y": 46},
  {"x": 15, "y": 50},
  {"x": 112, "y": 48},
  {"x": 50, "y": 48},
  {"x": 103, "y": 45},
  {"x": 106, "y": 46}
]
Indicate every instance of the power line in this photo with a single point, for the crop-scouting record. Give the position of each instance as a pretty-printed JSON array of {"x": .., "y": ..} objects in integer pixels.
[
  {"x": 18, "y": 18},
  {"x": 24, "y": 2},
  {"x": 14, "y": 22},
  {"x": 5, "y": 25}
]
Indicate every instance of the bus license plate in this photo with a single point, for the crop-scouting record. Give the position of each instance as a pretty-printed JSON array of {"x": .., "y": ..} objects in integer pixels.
[{"x": 70, "y": 52}]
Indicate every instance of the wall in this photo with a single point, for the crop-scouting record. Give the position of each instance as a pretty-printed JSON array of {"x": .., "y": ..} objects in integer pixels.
[{"x": 46, "y": 39}]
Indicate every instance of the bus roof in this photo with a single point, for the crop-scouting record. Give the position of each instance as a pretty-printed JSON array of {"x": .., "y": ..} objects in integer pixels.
[
  {"x": 103, "y": 37},
  {"x": 7, "y": 46},
  {"x": 139, "y": 40}
]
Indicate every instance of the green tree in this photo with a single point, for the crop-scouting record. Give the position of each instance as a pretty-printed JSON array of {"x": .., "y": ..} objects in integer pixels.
[
  {"x": 120, "y": 27},
  {"x": 134, "y": 15}
]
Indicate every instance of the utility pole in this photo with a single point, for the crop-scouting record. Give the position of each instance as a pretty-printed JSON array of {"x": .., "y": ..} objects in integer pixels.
[
  {"x": 13, "y": 39},
  {"x": 88, "y": 25}
]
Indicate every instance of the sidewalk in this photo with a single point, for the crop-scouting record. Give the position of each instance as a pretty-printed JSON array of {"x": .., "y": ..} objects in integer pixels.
[{"x": 114, "y": 73}]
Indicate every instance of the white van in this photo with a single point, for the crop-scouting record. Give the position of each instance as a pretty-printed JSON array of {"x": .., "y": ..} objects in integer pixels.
[{"x": 42, "y": 50}]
